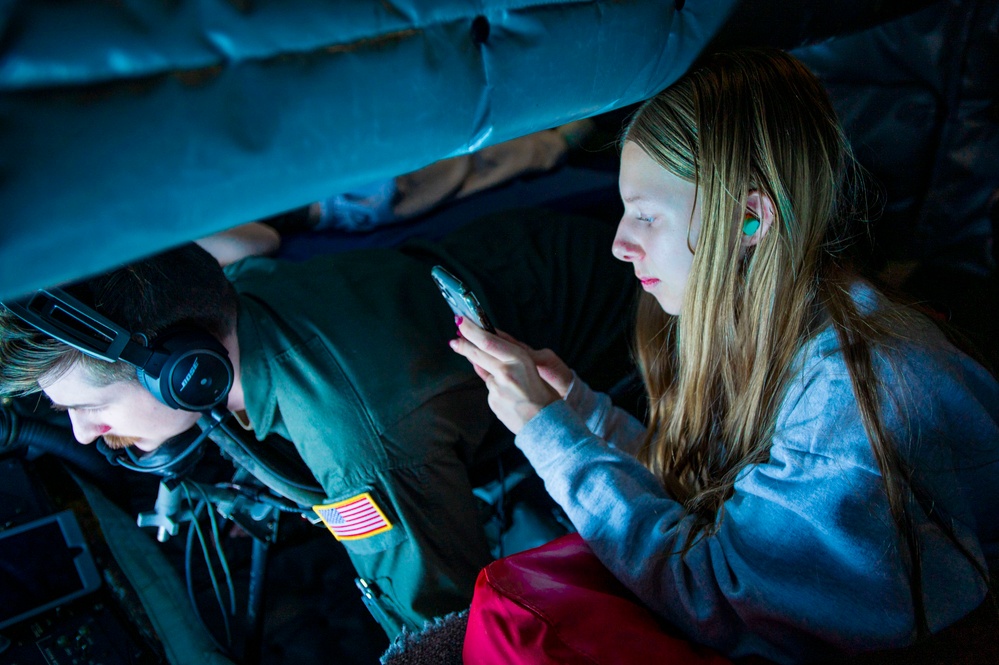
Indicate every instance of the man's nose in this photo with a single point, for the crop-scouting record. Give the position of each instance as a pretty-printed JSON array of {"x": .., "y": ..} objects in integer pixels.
[{"x": 84, "y": 429}]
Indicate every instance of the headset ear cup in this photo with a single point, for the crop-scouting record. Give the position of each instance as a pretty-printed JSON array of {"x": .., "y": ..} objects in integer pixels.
[
  {"x": 151, "y": 384},
  {"x": 189, "y": 370}
]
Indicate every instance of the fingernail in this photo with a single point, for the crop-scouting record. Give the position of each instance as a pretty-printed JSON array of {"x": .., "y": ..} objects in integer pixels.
[
  {"x": 458, "y": 320},
  {"x": 453, "y": 344}
]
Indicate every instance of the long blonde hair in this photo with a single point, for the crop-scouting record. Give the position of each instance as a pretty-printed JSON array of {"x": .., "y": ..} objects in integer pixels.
[{"x": 716, "y": 373}]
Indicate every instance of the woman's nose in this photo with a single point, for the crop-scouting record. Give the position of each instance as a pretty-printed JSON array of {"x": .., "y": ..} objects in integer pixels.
[{"x": 624, "y": 249}]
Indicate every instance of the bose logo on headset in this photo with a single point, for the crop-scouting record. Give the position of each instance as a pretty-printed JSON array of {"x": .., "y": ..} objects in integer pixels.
[{"x": 185, "y": 369}]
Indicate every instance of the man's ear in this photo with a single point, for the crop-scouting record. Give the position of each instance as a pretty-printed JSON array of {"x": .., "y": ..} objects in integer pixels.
[{"x": 760, "y": 206}]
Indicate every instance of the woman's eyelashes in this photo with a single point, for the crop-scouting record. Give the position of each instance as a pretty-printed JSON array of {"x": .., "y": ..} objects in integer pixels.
[{"x": 643, "y": 218}]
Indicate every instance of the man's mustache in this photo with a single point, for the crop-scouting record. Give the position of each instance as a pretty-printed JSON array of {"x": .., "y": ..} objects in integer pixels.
[{"x": 115, "y": 442}]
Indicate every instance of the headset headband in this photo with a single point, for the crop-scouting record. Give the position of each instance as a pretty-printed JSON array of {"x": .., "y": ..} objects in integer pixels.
[{"x": 63, "y": 317}]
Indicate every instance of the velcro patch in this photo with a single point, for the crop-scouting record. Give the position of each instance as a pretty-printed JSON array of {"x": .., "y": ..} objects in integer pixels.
[{"x": 354, "y": 518}]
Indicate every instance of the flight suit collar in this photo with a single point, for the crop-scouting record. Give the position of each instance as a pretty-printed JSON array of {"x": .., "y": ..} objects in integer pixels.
[{"x": 259, "y": 391}]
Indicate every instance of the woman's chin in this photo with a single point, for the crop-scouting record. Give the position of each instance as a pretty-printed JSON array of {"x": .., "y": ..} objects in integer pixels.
[{"x": 668, "y": 305}]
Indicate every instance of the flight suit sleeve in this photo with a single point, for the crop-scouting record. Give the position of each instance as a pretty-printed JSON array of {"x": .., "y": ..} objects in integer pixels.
[
  {"x": 407, "y": 471},
  {"x": 426, "y": 563}
]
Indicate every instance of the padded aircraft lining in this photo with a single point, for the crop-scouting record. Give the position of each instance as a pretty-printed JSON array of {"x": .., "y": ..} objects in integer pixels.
[{"x": 127, "y": 127}]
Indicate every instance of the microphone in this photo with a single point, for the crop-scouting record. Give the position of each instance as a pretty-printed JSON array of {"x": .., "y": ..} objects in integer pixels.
[{"x": 174, "y": 457}]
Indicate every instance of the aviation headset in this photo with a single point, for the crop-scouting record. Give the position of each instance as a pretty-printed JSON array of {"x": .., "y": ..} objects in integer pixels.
[{"x": 183, "y": 368}]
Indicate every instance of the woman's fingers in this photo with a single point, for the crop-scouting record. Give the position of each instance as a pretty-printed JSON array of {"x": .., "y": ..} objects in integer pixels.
[
  {"x": 513, "y": 340},
  {"x": 505, "y": 349},
  {"x": 481, "y": 373},
  {"x": 481, "y": 360},
  {"x": 490, "y": 363},
  {"x": 467, "y": 348},
  {"x": 516, "y": 389},
  {"x": 509, "y": 350},
  {"x": 553, "y": 370}
]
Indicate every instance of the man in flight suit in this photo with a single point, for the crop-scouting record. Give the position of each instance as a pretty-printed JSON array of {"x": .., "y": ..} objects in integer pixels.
[{"x": 346, "y": 356}]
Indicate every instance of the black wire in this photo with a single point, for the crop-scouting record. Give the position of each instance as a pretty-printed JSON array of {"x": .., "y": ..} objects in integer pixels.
[
  {"x": 195, "y": 529},
  {"x": 223, "y": 561},
  {"x": 263, "y": 495},
  {"x": 238, "y": 438},
  {"x": 190, "y": 593}
]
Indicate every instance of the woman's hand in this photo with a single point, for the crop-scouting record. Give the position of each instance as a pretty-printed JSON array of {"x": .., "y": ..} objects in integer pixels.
[
  {"x": 521, "y": 380},
  {"x": 550, "y": 367}
]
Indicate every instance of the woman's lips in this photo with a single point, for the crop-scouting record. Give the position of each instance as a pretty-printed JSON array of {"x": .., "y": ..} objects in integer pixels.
[{"x": 648, "y": 283}]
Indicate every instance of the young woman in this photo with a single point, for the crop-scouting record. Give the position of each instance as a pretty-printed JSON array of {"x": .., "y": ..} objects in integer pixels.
[{"x": 818, "y": 473}]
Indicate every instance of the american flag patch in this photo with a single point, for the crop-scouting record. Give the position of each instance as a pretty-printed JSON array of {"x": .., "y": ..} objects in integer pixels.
[{"x": 354, "y": 518}]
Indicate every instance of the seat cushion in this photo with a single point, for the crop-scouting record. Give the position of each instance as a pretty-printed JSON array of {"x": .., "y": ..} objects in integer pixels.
[{"x": 558, "y": 604}]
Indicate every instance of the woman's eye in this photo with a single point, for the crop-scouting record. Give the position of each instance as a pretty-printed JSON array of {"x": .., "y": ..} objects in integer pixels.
[{"x": 643, "y": 218}]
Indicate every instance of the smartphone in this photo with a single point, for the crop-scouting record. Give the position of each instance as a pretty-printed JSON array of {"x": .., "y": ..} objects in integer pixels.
[{"x": 461, "y": 299}]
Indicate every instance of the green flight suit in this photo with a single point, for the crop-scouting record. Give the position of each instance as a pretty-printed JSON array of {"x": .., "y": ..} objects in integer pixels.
[{"x": 346, "y": 356}]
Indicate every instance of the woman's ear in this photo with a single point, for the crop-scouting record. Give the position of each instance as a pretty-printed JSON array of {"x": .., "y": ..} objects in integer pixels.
[{"x": 760, "y": 207}]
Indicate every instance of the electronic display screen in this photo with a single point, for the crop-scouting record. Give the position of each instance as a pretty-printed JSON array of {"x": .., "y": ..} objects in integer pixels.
[{"x": 43, "y": 564}]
